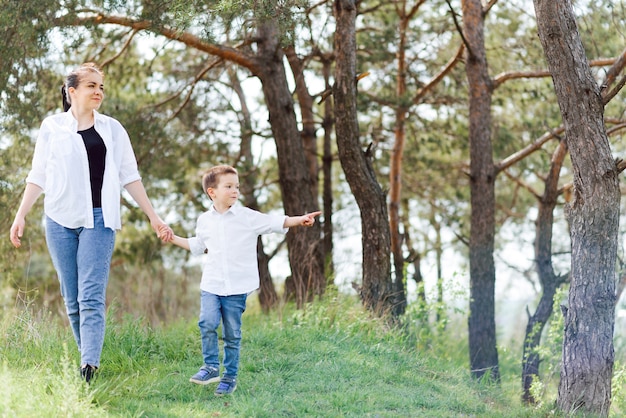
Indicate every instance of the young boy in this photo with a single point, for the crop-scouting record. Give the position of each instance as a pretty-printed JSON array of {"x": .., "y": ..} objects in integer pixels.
[{"x": 228, "y": 234}]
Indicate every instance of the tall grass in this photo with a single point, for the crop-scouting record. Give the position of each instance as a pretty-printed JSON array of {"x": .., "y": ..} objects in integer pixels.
[
  {"x": 38, "y": 378},
  {"x": 330, "y": 359}
]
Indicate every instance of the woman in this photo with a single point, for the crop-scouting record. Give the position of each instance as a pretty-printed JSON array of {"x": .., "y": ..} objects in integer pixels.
[{"x": 80, "y": 161}]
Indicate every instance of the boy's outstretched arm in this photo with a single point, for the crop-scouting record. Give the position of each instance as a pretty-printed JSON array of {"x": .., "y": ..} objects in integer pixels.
[{"x": 304, "y": 220}]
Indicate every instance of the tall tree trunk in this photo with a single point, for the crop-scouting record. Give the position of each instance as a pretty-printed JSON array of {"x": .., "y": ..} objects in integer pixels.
[
  {"x": 376, "y": 291},
  {"x": 305, "y": 252},
  {"x": 593, "y": 215},
  {"x": 395, "y": 193},
  {"x": 482, "y": 326},
  {"x": 327, "y": 195},
  {"x": 550, "y": 282},
  {"x": 309, "y": 139},
  {"x": 395, "y": 164}
]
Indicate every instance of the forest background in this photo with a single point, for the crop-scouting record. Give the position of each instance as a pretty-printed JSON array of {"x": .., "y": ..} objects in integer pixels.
[{"x": 255, "y": 85}]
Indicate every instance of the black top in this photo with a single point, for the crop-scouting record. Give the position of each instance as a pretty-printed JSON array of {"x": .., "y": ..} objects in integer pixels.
[{"x": 96, "y": 153}]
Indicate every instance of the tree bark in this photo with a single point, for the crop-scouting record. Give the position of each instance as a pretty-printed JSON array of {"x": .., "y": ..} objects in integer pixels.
[
  {"x": 593, "y": 215},
  {"x": 376, "y": 291},
  {"x": 482, "y": 326}
]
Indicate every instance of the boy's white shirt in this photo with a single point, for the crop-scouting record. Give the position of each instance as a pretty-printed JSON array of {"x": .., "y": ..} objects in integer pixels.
[
  {"x": 61, "y": 168},
  {"x": 230, "y": 265}
]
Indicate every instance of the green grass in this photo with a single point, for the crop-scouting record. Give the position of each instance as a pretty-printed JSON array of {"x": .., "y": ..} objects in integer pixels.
[{"x": 329, "y": 360}]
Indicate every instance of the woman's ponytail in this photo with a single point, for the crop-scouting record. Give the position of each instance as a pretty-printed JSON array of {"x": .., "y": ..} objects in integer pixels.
[{"x": 66, "y": 103}]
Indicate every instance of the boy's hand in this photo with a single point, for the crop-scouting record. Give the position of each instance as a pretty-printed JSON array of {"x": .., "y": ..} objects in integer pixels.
[{"x": 309, "y": 218}]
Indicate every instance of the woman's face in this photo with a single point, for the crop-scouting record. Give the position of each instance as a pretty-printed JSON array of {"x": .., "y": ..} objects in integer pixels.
[{"x": 89, "y": 93}]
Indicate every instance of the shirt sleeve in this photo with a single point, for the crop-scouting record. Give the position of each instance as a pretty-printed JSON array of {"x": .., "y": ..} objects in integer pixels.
[
  {"x": 37, "y": 174},
  {"x": 196, "y": 246},
  {"x": 128, "y": 171},
  {"x": 265, "y": 223}
]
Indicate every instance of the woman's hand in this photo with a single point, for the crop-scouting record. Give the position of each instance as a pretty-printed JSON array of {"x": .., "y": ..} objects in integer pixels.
[
  {"x": 31, "y": 193},
  {"x": 17, "y": 230},
  {"x": 163, "y": 230}
]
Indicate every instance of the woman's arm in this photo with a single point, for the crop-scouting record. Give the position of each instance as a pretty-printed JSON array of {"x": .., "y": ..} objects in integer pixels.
[
  {"x": 138, "y": 193},
  {"x": 31, "y": 194}
]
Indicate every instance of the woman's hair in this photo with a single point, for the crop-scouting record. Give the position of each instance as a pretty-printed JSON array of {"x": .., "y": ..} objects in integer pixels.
[
  {"x": 74, "y": 78},
  {"x": 211, "y": 177}
]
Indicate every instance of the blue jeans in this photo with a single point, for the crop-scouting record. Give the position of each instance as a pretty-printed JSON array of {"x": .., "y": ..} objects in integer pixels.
[
  {"x": 82, "y": 259},
  {"x": 228, "y": 310}
]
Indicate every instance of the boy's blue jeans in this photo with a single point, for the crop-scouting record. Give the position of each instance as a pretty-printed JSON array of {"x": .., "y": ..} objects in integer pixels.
[
  {"x": 228, "y": 310},
  {"x": 82, "y": 259}
]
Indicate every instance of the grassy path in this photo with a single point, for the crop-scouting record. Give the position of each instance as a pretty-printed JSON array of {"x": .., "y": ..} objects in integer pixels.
[{"x": 330, "y": 360}]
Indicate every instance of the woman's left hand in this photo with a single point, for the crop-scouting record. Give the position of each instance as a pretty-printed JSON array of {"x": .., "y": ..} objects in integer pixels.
[{"x": 163, "y": 230}]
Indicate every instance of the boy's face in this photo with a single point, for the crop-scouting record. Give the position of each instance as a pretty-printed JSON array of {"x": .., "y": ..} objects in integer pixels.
[{"x": 227, "y": 191}]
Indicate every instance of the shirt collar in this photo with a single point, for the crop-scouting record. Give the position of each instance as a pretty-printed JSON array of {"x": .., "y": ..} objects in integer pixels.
[
  {"x": 233, "y": 209},
  {"x": 97, "y": 117}
]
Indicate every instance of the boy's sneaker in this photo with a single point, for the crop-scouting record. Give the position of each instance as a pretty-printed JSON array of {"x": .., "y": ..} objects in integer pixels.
[
  {"x": 205, "y": 376},
  {"x": 227, "y": 386}
]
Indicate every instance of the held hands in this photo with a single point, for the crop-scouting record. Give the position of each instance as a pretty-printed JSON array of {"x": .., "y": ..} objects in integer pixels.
[{"x": 163, "y": 230}]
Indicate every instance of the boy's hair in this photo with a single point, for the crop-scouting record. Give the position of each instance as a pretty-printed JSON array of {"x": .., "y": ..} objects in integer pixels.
[{"x": 211, "y": 177}]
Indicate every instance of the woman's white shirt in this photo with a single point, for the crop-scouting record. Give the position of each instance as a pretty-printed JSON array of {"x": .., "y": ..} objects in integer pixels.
[{"x": 61, "y": 168}]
